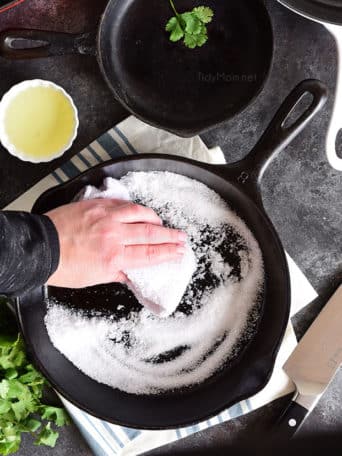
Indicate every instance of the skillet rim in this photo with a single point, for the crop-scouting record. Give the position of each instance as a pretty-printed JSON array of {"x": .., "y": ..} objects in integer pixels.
[{"x": 323, "y": 15}]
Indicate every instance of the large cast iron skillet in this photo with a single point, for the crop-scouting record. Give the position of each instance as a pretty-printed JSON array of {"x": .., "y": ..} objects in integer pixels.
[
  {"x": 165, "y": 84},
  {"x": 238, "y": 184}
]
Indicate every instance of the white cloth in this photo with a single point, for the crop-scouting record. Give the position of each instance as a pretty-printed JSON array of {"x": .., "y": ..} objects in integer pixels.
[
  {"x": 159, "y": 288},
  {"x": 127, "y": 138},
  {"x": 110, "y": 188}
]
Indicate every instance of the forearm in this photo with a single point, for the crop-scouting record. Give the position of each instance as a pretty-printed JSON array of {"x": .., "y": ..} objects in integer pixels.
[{"x": 29, "y": 251}]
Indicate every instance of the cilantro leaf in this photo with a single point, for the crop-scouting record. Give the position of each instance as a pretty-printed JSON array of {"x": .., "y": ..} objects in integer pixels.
[
  {"x": 10, "y": 439},
  {"x": 192, "y": 41},
  {"x": 21, "y": 390},
  {"x": 9, "y": 447},
  {"x": 47, "y": 436},
  {"x": 13, "y": 356},
  {"x": 20, "y": 411},
  {"x": 55, "y": 414},
  {"x": 29, "y": 425},
  {"x": 175, "y": 28},
  {"x": 11, "y": 373},
  {"x": 204, "y": 14},
  {"x": 4, "y": 387},
  {"x": 190, "y": 25},
  {"x": 5, "y": 406},
  {"x": 17, "y": 390},
  {"x": 32, "y": 377}
]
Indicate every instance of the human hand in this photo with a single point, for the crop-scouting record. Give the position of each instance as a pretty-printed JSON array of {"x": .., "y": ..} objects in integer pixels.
[{"x": 101, "y": 238}]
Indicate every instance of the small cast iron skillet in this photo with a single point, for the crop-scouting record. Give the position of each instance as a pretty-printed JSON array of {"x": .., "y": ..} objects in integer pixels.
[
  {"x": 166, "y": 84},
  {"x": 238, "y": 184}
]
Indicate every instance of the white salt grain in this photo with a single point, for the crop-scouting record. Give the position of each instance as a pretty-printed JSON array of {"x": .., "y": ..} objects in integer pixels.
[{"x": 220, "y": 312}]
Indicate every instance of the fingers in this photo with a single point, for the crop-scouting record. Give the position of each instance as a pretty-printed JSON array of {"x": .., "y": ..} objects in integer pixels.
[
  {"x": 139, "y": 256},
  {"x": 120, "y": 277},
  {"x": 146, "y": 233},
  {"x": 135, "y": 213}
]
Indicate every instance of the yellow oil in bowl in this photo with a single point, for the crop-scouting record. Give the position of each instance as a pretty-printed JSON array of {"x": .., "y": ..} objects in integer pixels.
[{"x": 39, "y": 121}]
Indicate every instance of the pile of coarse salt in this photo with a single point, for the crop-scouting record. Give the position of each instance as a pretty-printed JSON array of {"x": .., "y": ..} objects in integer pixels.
[{"x": 145, "y": 354}]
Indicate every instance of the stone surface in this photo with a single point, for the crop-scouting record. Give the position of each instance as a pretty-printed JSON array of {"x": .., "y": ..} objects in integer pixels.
[{"x": 301, "y": 193}]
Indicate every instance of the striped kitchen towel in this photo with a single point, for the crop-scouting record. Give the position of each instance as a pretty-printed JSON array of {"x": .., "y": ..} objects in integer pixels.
[{"x": 128, "y": 138}]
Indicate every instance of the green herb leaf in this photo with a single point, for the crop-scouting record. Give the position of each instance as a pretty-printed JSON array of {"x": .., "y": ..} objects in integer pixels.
[
  {"x": 13, "y": 356},
  {"x": 4, "y": 387},
  {"x": 21, "y": 390},
  {"x": 17, "y": 390},
  {"x": 29, "y": 425},
  {"x": 55, "y": 414},
  {"x": 190, "y": 25},
  {"x": 9, "y": 432},
  {"x": 204, "y": 14},
  {"x": 175, "y": 29},
  {"x": 5, "y": 406},
  {"x": 192, "y": 41},
  {"x": 47, "y": 436},
  {"x": 11, "y": 373},
  {"x": 9, "y": 447},
  {"x": 20, "y": 410},
  {"x": 32, "y": 377},
  {"x": 193, "y": 25}
]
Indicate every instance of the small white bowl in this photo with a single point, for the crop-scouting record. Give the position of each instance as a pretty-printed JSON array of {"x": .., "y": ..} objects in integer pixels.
[{"x": 5, "y": 102}]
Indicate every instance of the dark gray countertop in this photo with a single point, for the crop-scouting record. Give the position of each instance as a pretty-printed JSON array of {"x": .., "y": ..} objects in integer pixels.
[{"x": 301, "y": 193}]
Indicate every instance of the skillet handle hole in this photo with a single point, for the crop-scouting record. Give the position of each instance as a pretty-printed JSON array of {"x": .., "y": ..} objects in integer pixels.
[
  {"x": 298, "y": 110},
  {"x": 339, "y": 144},
  {"x": 26, "y": 43}
]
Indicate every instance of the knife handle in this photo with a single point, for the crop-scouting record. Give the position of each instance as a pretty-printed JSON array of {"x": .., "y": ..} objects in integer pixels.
[{"x": 291, "y": 420}]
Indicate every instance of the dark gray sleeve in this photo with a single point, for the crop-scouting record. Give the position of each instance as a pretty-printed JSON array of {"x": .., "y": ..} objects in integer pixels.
[{"x": 29, "y": 251}]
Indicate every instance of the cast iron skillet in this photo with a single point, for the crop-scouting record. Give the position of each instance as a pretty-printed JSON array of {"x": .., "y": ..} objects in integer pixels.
[
  {"x": 163, "y": 83},
  {"x": 238, "y": 184}
]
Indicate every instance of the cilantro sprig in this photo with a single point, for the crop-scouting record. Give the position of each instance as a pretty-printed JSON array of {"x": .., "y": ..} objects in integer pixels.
[
  {"x": 190, "y": 26},
  {"x": 21, "y": 391}
]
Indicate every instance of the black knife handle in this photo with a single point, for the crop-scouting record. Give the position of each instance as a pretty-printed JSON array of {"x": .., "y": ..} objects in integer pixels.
[{"x": 291, "y": 420}]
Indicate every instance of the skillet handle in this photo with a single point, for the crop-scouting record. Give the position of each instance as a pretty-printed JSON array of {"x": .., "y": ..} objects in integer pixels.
[
  {"x": 336, "y": 116},
  {"x": 248, "y": 172},
  {"x": 18, "y": 44},
  {"x": 278, "y": 135}
]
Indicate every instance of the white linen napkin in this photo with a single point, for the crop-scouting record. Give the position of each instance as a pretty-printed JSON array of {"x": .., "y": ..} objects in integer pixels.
[{"x": 128, "y": 138}]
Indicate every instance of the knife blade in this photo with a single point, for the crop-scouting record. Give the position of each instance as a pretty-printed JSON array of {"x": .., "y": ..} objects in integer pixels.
[{"x": 313, "y": 364}]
